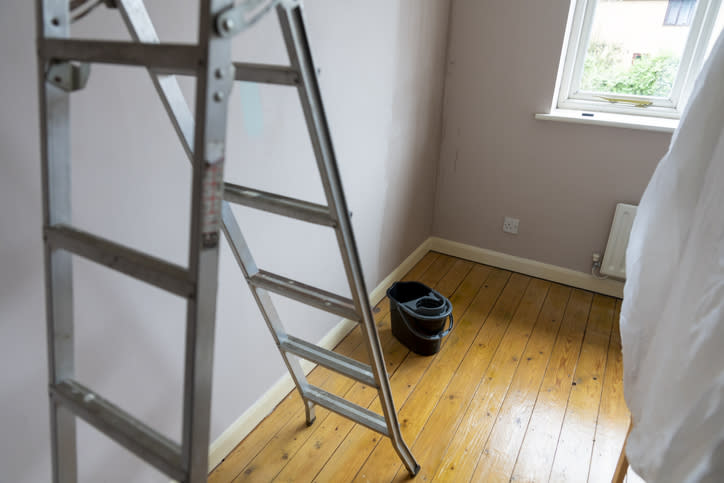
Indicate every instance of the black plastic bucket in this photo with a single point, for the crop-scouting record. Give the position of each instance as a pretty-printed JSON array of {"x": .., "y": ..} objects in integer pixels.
[{"x": 418, "y": 316}]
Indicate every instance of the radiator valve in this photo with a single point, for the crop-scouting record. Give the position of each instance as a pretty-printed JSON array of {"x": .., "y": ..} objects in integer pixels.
[{"x": 596, "y": 261}]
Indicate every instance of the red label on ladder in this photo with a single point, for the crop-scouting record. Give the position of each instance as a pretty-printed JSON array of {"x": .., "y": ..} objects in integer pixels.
[{"x": 212, "y": 194}]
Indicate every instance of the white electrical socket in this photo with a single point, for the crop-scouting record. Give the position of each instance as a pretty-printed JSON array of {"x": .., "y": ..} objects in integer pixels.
[{"x": 510, "y": 225}]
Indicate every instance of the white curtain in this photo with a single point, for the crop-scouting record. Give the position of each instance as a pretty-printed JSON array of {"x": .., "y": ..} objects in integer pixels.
[{"x": 672, "y": 317}]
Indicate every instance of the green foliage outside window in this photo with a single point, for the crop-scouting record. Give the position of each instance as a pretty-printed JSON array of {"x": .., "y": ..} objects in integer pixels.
[{"x": 647, "y": 75}]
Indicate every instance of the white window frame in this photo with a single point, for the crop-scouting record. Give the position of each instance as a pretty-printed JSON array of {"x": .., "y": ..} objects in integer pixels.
[{"x": 580, "y": 23}]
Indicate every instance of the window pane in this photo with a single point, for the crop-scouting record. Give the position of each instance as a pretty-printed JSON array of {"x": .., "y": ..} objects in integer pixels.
[
  {"x": 679, "y": 12},
  {"x": 635, "y": 46}
]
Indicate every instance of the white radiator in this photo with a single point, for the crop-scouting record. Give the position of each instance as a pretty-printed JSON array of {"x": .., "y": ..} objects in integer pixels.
[{"x": 614, "y": 258}]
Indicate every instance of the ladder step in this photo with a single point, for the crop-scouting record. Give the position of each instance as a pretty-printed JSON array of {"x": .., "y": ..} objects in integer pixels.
[
  {"x": 126, "y": 430},
  {"x": 305, "y": 293},
  {"x": 356, "y": 413},
  {"x": 155, "y": 271},
  {"x": 247, "y": 72},
  {"x": 266, "y": 74},
  {"x": 182, "y": 58},
  {"x": 281, "y": 205},
  {"x": 331, "y": 360}
]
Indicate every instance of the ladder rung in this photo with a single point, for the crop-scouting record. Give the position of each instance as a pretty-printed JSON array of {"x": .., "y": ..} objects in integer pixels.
[
  {"x": 305, "y": 293},
  {"x": 347, "y": 409},
  {"x": 331, "y": 360},
  {"x": 260, "y": 73},
  {"x": 167, "y": 57},
  {"x": 131, "y": 433},
  {"x": 267, "y": 74},
  {"x": 144, "y": 267},
  {"x": 281, "y": 205}
]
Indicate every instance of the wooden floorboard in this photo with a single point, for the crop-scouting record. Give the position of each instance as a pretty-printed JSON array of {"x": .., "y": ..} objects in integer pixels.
[
  {"x": 510, "y": 427},
  {"x": 526, "y": 387},
  {"x": 491, "y": 357},
  {"x": 573, "y": 454},
  {"x": 535, "y": 458},
  {"x": 613, "y": 415}
]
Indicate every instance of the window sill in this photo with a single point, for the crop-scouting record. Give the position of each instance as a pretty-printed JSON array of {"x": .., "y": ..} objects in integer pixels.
[{"x": 645, "y": 123}]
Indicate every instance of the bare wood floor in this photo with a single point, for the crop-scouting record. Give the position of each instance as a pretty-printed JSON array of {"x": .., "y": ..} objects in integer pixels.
[{"x": 527, "y": 387}]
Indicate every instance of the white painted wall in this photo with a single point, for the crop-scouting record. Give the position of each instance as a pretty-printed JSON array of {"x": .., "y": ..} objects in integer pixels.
[{"x": 382, "y": 66}]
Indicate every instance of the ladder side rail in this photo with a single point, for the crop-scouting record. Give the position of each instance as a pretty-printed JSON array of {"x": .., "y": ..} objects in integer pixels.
[
  {"x": 292, "y": 25},
  {"x": 243, "y": 256},
  {"x": 207, "y": 191},
  {"x": 297, "y": 46},
  {"x": 53, "y": 20}
]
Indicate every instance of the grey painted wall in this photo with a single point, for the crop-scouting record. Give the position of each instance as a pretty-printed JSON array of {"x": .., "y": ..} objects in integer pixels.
[
  {"x": 382, "y": 65},
  {"x": 561, "y": 180}
]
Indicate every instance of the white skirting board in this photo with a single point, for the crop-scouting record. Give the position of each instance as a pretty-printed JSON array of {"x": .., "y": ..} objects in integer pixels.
[
  {"x": 240, "y": 428},
  {"x": 227, "y": 441},
  {"x": 565, "y": 276}
]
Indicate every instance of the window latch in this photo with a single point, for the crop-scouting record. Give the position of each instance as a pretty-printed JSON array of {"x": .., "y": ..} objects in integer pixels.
[{"x": 624, "y": 100}]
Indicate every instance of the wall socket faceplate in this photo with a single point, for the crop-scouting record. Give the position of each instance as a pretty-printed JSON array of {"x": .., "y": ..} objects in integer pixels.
[{"x": 510, "y": 225}]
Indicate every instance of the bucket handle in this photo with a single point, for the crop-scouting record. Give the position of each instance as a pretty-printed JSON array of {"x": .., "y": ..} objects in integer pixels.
[{"x": 420, "y": 334}]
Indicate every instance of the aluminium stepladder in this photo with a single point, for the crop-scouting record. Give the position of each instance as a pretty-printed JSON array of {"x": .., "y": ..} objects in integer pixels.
[{"x": 204, "y": 144}]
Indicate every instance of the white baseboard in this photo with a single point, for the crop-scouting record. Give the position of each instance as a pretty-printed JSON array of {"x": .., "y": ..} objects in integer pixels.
[
  {"x": 565, "y": 276},
  {"x": 239, "y": 429}
]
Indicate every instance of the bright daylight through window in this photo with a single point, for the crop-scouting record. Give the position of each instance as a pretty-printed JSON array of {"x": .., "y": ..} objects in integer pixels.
[{"x": 638, "y": 57}]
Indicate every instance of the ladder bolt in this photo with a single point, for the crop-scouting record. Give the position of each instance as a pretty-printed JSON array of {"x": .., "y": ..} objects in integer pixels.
[
  {"x": 218, "y": 96},
  {"x": 227, "y": 24}
]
